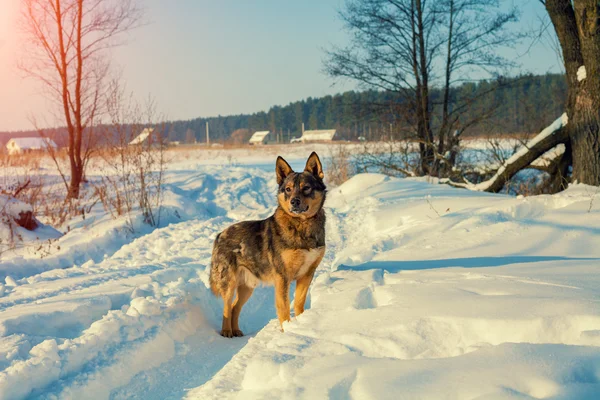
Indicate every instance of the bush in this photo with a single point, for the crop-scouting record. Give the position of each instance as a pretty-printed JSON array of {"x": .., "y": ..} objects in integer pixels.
[
  {"x": 133, "y": 171},
  {"x": 338, "y": 167}
]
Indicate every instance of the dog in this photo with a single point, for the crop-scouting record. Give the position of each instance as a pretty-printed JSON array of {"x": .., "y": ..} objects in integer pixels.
[{"x": 287, "y": 246}]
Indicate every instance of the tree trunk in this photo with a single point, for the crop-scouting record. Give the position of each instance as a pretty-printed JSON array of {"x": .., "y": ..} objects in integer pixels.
[
  {"x": 442, "y": 168},
  {"x": 578, "y": 33},
  {"x": 75, "y": 183},
  {"x": 563, "y": 18},
  {"x": 533, "y": 154},
  {"x": 585, "y": 134},
  {"x": 426, "y": 136},
  {"x": 544, "y": 142},
  {"x": 559, "y": 172},
  {"x": 585, "y": 140}
]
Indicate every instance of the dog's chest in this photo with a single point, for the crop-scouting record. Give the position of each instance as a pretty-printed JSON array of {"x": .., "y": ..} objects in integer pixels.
[
  {"x": 310, "y": 256},
  {"x": 298, "y": 262}
]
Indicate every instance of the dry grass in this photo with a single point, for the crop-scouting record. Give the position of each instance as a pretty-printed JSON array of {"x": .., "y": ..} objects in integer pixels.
[
  {"x": 30, "y": 159},
  {"x": 338, "y": 167},
  {"x": 132, "y": 178},
  {"x": 269, "y": 148}
]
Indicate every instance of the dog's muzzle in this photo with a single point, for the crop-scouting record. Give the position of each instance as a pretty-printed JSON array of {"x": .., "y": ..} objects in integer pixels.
[
  {"x": 295, "y": 206},
  {"x": 298, "y": 209}
]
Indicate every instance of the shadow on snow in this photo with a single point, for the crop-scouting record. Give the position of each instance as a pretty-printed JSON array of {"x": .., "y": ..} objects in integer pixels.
[{"x": 472, "y": 262}]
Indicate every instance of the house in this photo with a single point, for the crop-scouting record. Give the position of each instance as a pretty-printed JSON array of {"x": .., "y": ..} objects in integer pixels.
[
  {"x": 259, "y": 137},
  {"x": 147, "y": 137},
  {"x": 26, "y": 144},
  {"x": 323, "y": 135}
]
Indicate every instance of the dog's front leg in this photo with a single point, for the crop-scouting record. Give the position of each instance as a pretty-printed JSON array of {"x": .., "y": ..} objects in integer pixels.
[
  {"x": 282, "y": 299},
  {"x": 302, "y": 285}
]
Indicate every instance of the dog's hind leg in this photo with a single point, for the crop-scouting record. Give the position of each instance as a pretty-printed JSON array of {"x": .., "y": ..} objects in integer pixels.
[
  {"x": 243, "y": 294},
  {"x": 227, "y": 310},
  {"x": 282, "y": 299}
]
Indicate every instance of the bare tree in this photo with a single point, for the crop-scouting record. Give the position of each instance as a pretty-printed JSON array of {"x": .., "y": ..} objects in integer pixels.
[
  {"x": 391, "y": 49},
  {"x": 473, "y": 31},
  {"x": 67, "y": 43},
  {"x": 408, "y": 46}
]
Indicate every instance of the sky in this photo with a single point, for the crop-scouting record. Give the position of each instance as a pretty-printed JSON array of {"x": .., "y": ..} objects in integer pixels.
[{"x": 200, "y": 58}]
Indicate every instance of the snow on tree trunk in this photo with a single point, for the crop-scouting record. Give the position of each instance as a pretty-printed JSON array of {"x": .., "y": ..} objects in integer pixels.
[{"x": 547, "y": 139}]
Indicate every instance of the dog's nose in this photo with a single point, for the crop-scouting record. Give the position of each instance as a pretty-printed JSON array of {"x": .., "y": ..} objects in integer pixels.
[{"x": 295, "y": 202}]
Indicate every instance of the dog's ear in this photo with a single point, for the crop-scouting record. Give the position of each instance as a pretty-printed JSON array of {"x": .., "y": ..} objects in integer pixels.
[
  {"x": 282, "y": 169},
  {"x": 313, "y": 165}
]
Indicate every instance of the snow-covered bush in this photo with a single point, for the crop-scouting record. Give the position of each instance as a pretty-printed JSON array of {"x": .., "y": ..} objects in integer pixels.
[{"x": 14, "y": 214}]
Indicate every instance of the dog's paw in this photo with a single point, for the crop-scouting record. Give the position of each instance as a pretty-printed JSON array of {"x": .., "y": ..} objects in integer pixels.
[
  {"x": 227, "y": 333},
  {"x": 238, "y": 333},
  {"x": 286, "y": 322}
]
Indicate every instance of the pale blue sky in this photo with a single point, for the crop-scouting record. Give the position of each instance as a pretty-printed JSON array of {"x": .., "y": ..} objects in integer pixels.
[{"x": 205, "y": 58}]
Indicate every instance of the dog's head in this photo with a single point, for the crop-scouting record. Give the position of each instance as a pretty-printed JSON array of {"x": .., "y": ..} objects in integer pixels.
[{"x": 301, "y": 194}]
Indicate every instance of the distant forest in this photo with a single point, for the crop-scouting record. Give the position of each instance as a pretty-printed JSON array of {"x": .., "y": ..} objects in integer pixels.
[{"x": 522, "y": 104}]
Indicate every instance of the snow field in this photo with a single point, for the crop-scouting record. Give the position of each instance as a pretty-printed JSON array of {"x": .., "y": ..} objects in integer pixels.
[{"x": 425, "y": 291}]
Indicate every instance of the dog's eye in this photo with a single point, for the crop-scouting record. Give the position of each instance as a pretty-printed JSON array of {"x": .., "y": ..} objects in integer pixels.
[
  {"x": 288, "y": 190},
  {"x": 306, "y": 189}
]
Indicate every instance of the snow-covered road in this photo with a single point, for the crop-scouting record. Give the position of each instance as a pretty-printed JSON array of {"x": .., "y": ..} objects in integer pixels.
[{"x": 425, "y": 292}]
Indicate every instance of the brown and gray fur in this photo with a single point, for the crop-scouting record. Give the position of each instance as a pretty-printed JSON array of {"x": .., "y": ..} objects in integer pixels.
[{"x": 287, "y": 246}]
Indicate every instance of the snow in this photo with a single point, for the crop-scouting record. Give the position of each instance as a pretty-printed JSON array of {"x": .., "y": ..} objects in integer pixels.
[
  {"x": 581, "y": 73},
  {"x": 425, "y": 291},
  {"x": 141, "y": 138},
  {"x": 317, "y": 135}
]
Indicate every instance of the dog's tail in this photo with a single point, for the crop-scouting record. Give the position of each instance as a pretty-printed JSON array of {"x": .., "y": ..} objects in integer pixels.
[
  {"x": 222, "y": 267},
  {"x": 213, "y": 278}
]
